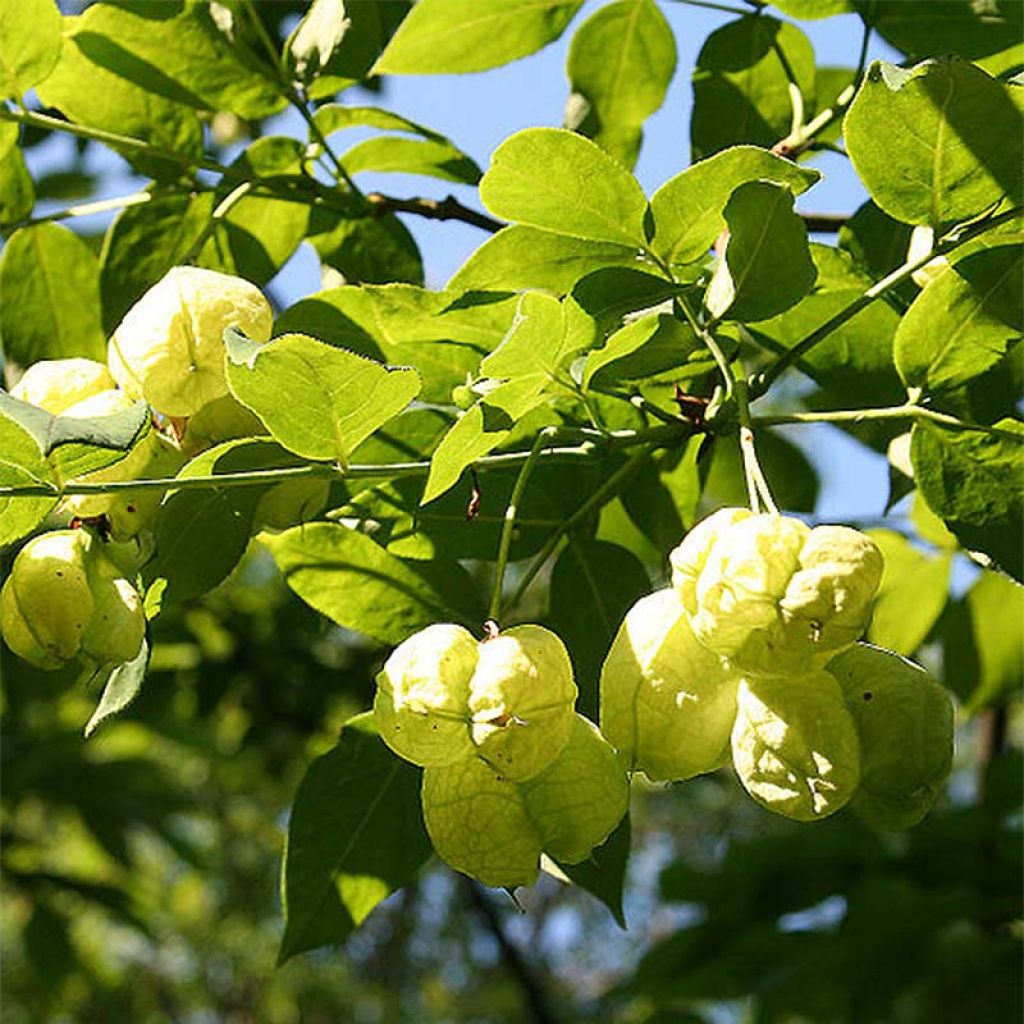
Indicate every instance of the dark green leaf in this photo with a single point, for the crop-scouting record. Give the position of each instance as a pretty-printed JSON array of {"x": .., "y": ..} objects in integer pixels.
[
  {"x": 741, "y": 86},
  {"x": 621, "y": 61},
  {"x": 256, "y": 237},
  {"x": 646, "y": 346},
  {"x": 974, "y": 481},
  {"x": 688, "y": 209},
  {"x": 767, "y": 267},
  {"x": 935, "y": 143},
  {"x": 878, "y": 243},
  {"x": 21, "y": 464},
  {"x": 431, "y": 157},
  {"x": 49, "y": 296},
  {"x": 319, "y": 402},
  {"x": 963, "y": 322},
  {"x": 982, "y": 641},
  {"x": 451, "y": 36},
  {"x": 912, "y": 595},
  {"x": 371, "y": 249},
  {"x": 603, "y": 874},
  {"x": 520, "y": 257},
  {"x": 349, "y": 578},
  {"x": 123, "y": 685},
  {"x": 355, "y": 835},
  {"x": 558, "y": 181},
  {"x": 593, "y": 585}
]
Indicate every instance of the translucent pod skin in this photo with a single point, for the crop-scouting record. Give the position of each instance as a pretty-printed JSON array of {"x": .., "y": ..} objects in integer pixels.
[
  {"x": 423, "y": 693},
  {"x": 169, "y": 348},
  {"x": 795, "y": 746},
  {"x": 117, "y": 626},
  {"x": 773, "y": 595},
  {"x": 667, "y": 703},
  {"x": 57, "y": 384},
  {"x": 478, "y": 824},
  {"x": 904, "y": 719},
  {"x": 127, "y": 511},
  {"x": 577, "y": 801},
  {"x": 521, "y": 700},
  {"x": 46, "y": 602}
]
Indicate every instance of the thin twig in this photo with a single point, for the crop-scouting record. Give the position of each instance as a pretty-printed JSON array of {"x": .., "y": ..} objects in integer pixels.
[{"x": 448, "y": 208}]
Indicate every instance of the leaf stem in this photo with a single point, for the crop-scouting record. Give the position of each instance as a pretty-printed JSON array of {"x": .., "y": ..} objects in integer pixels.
[
  {"x": 222, "y": 209},
  {"x": 593, "y": 443},
  {"x": 608, "y": 487},
  {"x": 760, "y": 382},
  {"x": 544, "y": 438}
]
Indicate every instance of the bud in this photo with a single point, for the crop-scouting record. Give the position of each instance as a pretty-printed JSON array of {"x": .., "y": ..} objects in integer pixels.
[
  {"x": 794, "y": 744},
  {"x": 57, "y": 384},
  {"x": 771, "y": 594},
  {"x": 169, "y": 348},
  {"x": 904, "y": 719},
  {"x": 667, "y": 702},
  {"x": 521, "y": 700}
]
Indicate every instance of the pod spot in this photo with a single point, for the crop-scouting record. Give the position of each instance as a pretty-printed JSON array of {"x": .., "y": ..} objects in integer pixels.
[{"x": 868, "y": 695}]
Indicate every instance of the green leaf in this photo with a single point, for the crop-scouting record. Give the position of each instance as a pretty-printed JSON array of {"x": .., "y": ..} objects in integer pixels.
[
  {"x": 370, "y": 249},
  {"x": 989, "y": 34},
  {"x": 879, "y": 244},
  {"x": 741, "y": 85},
  {"x": 257, "y": 236},
  {"x": 603, "y": 873},
  {"x": 687, "y": 210},
  {"x": 21, "y": 464},
  {"x": 647, "y": 346},
  {"x": 854, "y": 364},
  {"x": 123, "y": 685},
  {"x": 535, "y": 342},
  {"x": 963, "y": 322},
  {"x": 936, "y": 143},
  {"x": 317, "y": 401},
  {"x": 176, "y": 51},
  {"x": 809, "y": 10},
  {"x": 17, "y": 191},
  {"x": 335, "y": 117},
  {"x": 355, "y": 835},
  {"x": 431, "y": 157},
  {"x": 767, "y": 266},
  {"x": 621, "y": 61},
  {"x": 520, "y": 257},
  {"x": 143, "y": 242},
  {"x": 201, "y": 534},
  {"x": 29, "y": 44},
  {"x": 49, "y": 297},
  {"x": 791, "y": 474},
  {"x": 89, "y": 93},
  {"x": 912, "y": 594},
  {"x": 593, "y": 585},
  {"x": 442, "y": 334},
  {"x": 346, "y": 576},
  {"x": 481, "y": 429},
  {"x": 556, "y": 180},
  {"x": 452, "y": 36},
  {"x": 982, "y": 642},
  {"x": 973, "y": 481}
]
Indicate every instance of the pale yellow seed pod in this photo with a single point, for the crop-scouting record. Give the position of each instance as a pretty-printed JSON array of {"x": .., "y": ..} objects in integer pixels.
[
  {"x": 794, "y": 744},
  {"x": 47, "y": 601},
  {"x": 667, "y": 702},
  {"x": 577, "y": 801},
  {"x": 478, "y": 823},
  {"x": 421, "y": 706},
  {"x": 57, "y": 384},
  {"x": 169, "y": 348},
  {"x": 521, "y": 700}
]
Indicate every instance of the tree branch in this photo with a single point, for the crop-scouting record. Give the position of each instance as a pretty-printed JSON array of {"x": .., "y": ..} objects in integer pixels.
[{"x": 448, "y": 208}]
